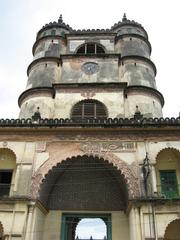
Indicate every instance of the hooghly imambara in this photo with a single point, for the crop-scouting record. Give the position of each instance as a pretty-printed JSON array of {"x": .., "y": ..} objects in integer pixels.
[{"x": 90, "y": 140}]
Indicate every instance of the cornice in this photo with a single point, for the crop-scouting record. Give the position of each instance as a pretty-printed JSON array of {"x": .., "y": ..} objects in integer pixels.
[
  {"x": 153, "y": 91},
  {"x": 144, "y": 59},
  {"x": 109, "y": 123},
  {"x": 43, "y": 59},
  {"x": 33, "y": 91}
]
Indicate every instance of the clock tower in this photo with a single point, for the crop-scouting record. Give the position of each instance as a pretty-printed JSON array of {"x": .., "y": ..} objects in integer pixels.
[
  {"x": 90, "y": 142},
  {"x": 109, "y": 67}
]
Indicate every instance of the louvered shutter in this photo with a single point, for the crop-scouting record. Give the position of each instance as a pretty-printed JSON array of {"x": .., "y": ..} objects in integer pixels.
[{"x": 88, "y": 109}]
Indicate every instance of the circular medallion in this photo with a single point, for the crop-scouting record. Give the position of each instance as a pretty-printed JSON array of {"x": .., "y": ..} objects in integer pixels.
[{"x": 90, "y": 68}]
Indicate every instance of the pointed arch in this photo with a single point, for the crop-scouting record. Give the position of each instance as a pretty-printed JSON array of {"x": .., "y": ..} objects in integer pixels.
[
  {"x": 166, "y": 149},
  {"x": 121, "y": 166},
  {"x": 8, "y": 151},
  {"x": 167, "y": 172}
]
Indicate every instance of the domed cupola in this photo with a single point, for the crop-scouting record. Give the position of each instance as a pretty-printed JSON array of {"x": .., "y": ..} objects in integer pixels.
[
  {"x": 51, "y": 40},
  {"x": 58, "y": 28},
  {"x": 127, "y": 26}
]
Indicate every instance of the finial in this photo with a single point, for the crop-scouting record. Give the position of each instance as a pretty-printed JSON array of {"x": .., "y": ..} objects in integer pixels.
[
  {"x": 60, "y": 20},
  {"x": 124, "y": 18}
]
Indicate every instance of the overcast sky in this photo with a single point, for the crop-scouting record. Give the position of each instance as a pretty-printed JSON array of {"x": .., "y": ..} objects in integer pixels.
[{"x": 21, "y": 20}]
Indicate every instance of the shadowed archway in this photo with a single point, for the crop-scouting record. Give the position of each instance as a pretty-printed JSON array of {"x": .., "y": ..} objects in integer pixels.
[
  {"x": 58, "y": 157},
  {"x": 84, "y": 183}
]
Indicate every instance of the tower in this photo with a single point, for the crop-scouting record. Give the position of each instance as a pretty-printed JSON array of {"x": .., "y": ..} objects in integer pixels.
[
  {"x": 118, "y": 59},
  {"x": 90, "y": 141}
]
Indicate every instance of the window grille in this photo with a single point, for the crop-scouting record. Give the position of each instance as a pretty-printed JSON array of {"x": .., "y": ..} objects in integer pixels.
[
  {"x": 89, "y": 109},
  {"x": 90, "y": 48}
]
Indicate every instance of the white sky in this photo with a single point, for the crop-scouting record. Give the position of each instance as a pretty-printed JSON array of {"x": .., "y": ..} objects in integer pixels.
[
  {"x": 88, "y": 227},
  {"x": 21, "y": 20}
]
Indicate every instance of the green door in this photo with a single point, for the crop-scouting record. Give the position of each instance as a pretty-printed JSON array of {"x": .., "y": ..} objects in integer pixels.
[
  {"x": 70, "y": 221},
  {"x": 169, "y": 186}
]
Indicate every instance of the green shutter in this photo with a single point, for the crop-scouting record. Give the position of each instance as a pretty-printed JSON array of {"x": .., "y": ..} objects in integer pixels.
[{"x": 169, "y": 186}]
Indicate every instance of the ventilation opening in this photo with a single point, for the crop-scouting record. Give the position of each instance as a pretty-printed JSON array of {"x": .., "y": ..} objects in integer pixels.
[
  {"x": 89, "y": 109},
  {"x": 90, "y": 48}
]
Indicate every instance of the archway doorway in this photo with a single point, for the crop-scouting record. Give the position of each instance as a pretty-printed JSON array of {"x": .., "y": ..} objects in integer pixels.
[
  {"x": 173, "y": 231},
  {"x": 91, "y": 228},
  {"x": 70, "y": 222},
  {"x": 84, "y": 183}
]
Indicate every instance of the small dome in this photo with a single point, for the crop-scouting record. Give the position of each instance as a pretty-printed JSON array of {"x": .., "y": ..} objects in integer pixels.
[
  {"x": 130, "y": 24},
  {"x": 59, "y": 24}
]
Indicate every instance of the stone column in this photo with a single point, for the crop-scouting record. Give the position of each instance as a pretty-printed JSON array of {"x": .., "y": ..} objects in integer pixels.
[
  {"x": 134, "y": 224},
  {"x": 28, "y": 233},
  {"x": 154, "y": 180}
]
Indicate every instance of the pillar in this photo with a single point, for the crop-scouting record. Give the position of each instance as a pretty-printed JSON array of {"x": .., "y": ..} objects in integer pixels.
[
  {"x": 28, "y": 234},
  {"x": 154, "y": 180},
  {"x": 134, "y": 224}
]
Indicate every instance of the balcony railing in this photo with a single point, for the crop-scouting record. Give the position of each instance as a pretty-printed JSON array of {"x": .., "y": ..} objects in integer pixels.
[
  {"x": 171, "y": 193},
  {"x": 4, "y": 189}
]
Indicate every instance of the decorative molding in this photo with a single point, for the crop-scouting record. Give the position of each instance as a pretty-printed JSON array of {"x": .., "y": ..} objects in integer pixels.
[
  {"x": 57, "y": 156},
  {"x": 40, "y": 146},
  {"x": 107, "y": 122},
  {"x": 108, "y": 147},
  {"x": 88, "y": 94},
  {"x": 5, "y": 144}
]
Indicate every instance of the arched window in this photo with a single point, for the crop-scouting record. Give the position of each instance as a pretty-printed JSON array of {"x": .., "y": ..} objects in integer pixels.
[
  {"x": 89, "y": 109},
  {"x": 90, "y": 48},
  {"x": 7, "y": 166},
  {"x": 168, "y": 172}
]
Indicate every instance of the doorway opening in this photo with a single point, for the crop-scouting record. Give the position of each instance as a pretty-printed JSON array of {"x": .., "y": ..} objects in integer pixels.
[
  {"x": 86, "y": 226},
  {"x": 91, "y": 228}
]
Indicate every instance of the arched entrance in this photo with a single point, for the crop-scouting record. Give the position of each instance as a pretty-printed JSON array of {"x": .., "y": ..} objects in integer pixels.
[
  {"x": 84, "y": 183},
  {"x": 173, "y": 230},
  {"x": 70, "y": 222},
  {"x": 168, "y": 172}
]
